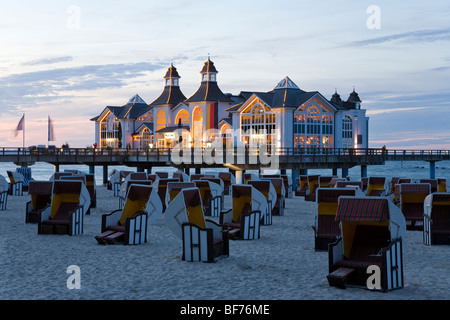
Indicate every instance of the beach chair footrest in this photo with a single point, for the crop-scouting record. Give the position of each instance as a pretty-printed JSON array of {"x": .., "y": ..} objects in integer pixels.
[{"x": 339, "y": 277}]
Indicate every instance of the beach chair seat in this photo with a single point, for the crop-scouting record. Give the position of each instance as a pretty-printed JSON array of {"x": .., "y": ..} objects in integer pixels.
[
  {"x": 411, "y": 202},
  {"x": 15, "y": 183},
  {"x": 128, "y": 225},
  {"x": 41, "y": 197},
  {"x": 202, "y": 239},
  {"x": 65, "y": 214},
  {"x": 244, "y": 219},
  {"x": 437, "y": 219},
  {"x": 372, "y": 229}
]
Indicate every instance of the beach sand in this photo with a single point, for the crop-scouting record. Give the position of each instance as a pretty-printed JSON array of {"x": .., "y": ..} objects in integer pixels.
[{"x": 282, "y": 265}]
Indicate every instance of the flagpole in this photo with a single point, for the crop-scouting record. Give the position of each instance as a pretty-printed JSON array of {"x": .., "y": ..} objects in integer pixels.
[{"x": 23, "y": 132}]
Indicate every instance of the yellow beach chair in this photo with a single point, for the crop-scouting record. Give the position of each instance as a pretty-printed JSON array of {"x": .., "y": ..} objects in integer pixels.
[
  {"x": 442, "y": 185},
  {"x": 376, "y": 187},
  {"x": 268, "y": 190},
  {"x": 278, "y": 184},
  {"x": 203, "y": 240},
  {"x": 313, "y": 184},
  {"x": 174, "y": 188},
  {"x": 436, "y": 222},
  {"x": 228, "y": 180},
  {"x": 15, "y": 183},
  {"x": 41, "y": 197},
  {"x": 411, "y": 202},
  {"x": 302, "y": 186},
  {"x": 65, "y": 215},
  {"x": 128, "y": 225}
]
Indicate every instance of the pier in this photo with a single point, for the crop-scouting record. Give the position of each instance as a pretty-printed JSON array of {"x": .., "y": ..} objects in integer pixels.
[{"x": 238, "y": 160}]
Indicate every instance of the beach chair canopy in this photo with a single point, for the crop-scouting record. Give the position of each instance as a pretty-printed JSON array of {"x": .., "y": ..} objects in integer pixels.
[
  {"x": 74, "y": 177},
  {"x": 313, "y": 183},
  {"x": 267, "y": 189},
  {"x": 15, "y": 177},
  {"x": 136, "y": 176},
  {"x": 126, "y": 185},
  {"x": 137, "y": 198},
  {"x": 324, "y": 181},
  {"x": 174, "y": 188},
  {"x": 278, "y": 184},
  {"x": 181, "y": 175},
  {"x": 41, "y": 193},
  {"x": 376, "y": 186},
  {"x": 185, "y": 208},
  {"x": 4, "y": 185},
  {"x": 433, "y": 184}
]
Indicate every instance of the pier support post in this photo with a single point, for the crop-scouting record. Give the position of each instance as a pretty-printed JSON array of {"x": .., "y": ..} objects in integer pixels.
[
  {"x": 140, "y": 169},
  {"x": 335, "y": 172},
  {"x": 344, "y": 172},
  {"x": 432, "y": 169},
  {"x": 283, "y": 172},
  {"x": 295, "y": 175},
  {"x": 92, "y": 169},
  {"x": 363, "y": 171},
  {"x": 56, "y": 167},
  {"x": 149, "y": 171},
  {"x": 187, "y": 171},
  {"x": 198, "y": 170},
  {"x": 105, "y": 175},
  {"x": 303, "y": 172}
]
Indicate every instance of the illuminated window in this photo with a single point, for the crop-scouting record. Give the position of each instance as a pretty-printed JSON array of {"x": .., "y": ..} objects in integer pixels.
[
  {"x": 347, "y": 127},
  {"x": 109, "y": 132},
  {"x": 227, "y": 135},
  {"x": 161, "y": 123},
  {"x": 258, "y": 127},
  {"x": 184, "y": 116},
  {"x": 146, "y": 139},
  {"x": 197, "y": 127}
]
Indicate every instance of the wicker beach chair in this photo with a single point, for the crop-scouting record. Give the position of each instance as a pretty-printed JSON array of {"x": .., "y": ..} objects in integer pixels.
[
  {"x": 126, "y": 186},
  {"x": 278, "y": 184},
  {"x": 41, "y": 197},
  {"x": 211, "y": 194},
  {"x": 411, "y": 202},
  {"x": 268, "y": 190},
  {"x": 15, "y": 183},
  {"x": 433, "y": 184},
  {"x": 128, "y": 225},
  {"x": 183, "y": 177},
  {"x": 117, "y": 179},
  {"x": 162, "y": 189},
  {"x": 26, "y": 173},
  {"x": 250, "y": 176},
  {"x": 442, "y": 185},
  {"x": 436, "y": 222},
  {"x": 4, "y": 188},
  {"x": 302, "y": 186},
  {"x": 65, "y": 214},
  {"x": 372, "y": 229},
  {"x": 244, "y": 219},
  {"x": 334, "y": 181},
  {"x": 326, "y": 228},
  {"x": 228, "y": 180},
  {"x": 344, "y": 184},
  {"x": 394, "y": 181},
  {"x": 313, "y": 184},
  {"x": 220, "y": 188},
  {"x": 365, "y": 183},
  {"x": 203, "y": 240},
  {"x": 287, "y": 180},
  {"x": 376, "y": 187}
]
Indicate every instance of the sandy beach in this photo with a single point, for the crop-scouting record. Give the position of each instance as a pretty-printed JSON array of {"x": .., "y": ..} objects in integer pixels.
[{"x": 282, "y": 265}]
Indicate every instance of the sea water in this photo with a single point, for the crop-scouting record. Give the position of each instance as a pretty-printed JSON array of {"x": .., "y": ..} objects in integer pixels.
[{"x": 403, "y": 169}]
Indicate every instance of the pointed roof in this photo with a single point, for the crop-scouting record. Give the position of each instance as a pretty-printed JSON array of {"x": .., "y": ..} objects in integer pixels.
[
  {"x": 134, "y": 108},
  {"x": 136, "y": 99},
  {"x": 286, "y": 83},
  {"x": 209, "y": 90},
  {"x": 354, "y": 97},
  {"x": 336, "y": 98},
  {"x": 171, "y": 94}
]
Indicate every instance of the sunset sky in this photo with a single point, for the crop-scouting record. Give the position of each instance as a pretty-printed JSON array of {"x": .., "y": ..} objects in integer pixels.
[{"x": 70, "y": 59}]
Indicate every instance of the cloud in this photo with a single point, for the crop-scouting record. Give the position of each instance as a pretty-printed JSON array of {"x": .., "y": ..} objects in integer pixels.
[
  {"x": 410, "y": 37},
  {"x": 47, "y": 61},
  {"x": 32, "y": 87},
  {"x": 391, "y": 110}
]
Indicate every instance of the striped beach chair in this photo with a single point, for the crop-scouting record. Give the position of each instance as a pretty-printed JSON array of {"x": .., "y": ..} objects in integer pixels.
[
  {"x": 326, "y": 228},
  {"x": 26, "y": 173},
  {"x": 433, "y": 184},
  {"x": 411, "y": 202},
  {"x": 244, "y": 218},
  {"x": 128, "y": 225},
  {"x": 41, "y": 196},
  {"x": 203, "y": 240},
  {"x": 372, "y": 229},
  {"x": 65, "y": 215},
  {"x": 436, "y": 222}
]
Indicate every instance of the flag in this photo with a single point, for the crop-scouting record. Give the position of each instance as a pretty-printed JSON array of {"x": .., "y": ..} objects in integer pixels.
[
  {"x": 51, "y": 134},
  {"x": 20, "y": 126}
]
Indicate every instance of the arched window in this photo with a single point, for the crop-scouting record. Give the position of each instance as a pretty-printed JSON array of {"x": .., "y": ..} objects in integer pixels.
[
  {"x": 161, "y": 123},
  {"x": 197, "y": 127},
  {"x": 347, "y": 127},
  {"x": 109, "y": 132},
  {"x": 258, "y": 127},
  {"x": 184, "y": 116},
  {"x": 147, "y": 139},
  {"x": 227, "y": 136}
]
